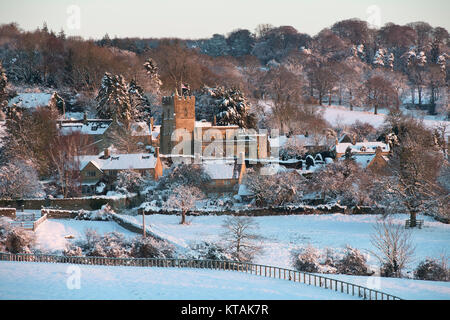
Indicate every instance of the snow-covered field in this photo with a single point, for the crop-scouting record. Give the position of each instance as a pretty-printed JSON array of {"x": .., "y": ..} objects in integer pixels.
[
  {"x": 404, "y": 288},
  {"x": 50, "y": 236},
  {"x": 340, "y": 115},
  {"x": 22, "y": 280},
  {"x": 282, "y": 233}
]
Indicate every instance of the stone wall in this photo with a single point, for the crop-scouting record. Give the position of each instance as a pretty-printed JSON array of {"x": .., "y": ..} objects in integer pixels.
[
  {"x": 8, "y": 212},
  {"x": 267, "y": 211},
  {"x": 72, "y": 203}
]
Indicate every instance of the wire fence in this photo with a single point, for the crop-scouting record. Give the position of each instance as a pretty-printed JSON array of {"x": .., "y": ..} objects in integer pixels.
[{"x": 251, "y": 268}]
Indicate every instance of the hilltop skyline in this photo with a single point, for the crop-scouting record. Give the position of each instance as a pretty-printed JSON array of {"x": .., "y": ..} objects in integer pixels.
[{"x": 201, "y": 19}]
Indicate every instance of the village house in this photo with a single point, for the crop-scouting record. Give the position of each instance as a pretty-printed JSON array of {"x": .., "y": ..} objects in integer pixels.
[
  {"x": 104, "y": 167},
  {"x": 361, "y": 148},
  {"x": 226, "y": 174},
  {"x": 375, "y": 161},
  {"x": 98, "y": 131}
]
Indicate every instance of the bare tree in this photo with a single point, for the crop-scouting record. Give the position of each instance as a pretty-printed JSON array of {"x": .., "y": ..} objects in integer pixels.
[
  {"x": 183, "y": 198},
  {"x": 240, "y": 236},
  {"x": 122, "y": 138},
  {"x": 285, "y": 91},
  {"x": 394, "y": 248},
  {"x": 378, "y": 92},
  {"x": 414, "y": 167},
  {"x": 63, "y": 155}
]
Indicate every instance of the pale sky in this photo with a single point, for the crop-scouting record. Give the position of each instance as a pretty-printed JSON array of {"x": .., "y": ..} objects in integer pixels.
[{"x": 202, "y": 18}]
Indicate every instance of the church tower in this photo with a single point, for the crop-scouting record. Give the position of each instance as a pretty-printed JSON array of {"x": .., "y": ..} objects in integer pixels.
[{"x": 178, "y": 112}]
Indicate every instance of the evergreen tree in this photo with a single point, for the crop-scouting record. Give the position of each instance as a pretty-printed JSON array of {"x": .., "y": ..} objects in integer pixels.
[
  {"x": 153, "y": 73},
  {"x": 231, "y": 107},
  {"x": 58, "y": 103},
  {"x": 3, "y": 84},
  {"x": 348, "y": 154},
  {"x": 140, "y": 105},
  {"x": 113, "y": 99}
]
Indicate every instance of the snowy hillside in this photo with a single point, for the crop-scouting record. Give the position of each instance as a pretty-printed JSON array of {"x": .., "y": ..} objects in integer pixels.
[{"x": 339, "y": 115}]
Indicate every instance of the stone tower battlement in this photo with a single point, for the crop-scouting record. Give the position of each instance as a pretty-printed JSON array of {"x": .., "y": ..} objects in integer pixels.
[{"x": 178, "y": 112}]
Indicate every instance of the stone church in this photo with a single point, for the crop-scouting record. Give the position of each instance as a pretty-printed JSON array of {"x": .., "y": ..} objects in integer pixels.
[{"x": 205, "y": 138}]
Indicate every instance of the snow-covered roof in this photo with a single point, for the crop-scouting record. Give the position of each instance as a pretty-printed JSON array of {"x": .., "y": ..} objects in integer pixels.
[
  {"x": 203, "y": 123},
  {"x": 370, "y": 147},
  {"x": 31, "y": 100},
  {"x": 221, "y": 169},
  {"x": 140, "y": 128},
  {"x": 91, "y": 127},
  {"x": 138, "y": 161},
  {"x": 206, "y": 124},
  {"x": 364, "y": 159}
]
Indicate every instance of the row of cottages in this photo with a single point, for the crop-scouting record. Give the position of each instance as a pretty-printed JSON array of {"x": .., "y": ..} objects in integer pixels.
[
  {"x": 98, "y": 131},
  {"x": 104, "y": 167}
]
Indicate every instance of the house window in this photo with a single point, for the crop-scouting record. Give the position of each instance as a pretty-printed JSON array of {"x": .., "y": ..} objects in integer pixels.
[{"x": 90, "y": 173}]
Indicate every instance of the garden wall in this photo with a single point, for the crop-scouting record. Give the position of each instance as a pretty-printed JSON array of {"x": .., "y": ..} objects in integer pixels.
[
  {"x": 268, "y": 211},
  {"x": 94, "y": 203}
]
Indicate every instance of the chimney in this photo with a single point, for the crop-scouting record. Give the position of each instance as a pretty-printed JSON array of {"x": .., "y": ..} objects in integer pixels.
[
  {"x": 214, "y": 121},
  {"x": 106, "y": 153},
  {"x": 151, "y": 124},
  {"x": 85, "y": 117},
  {"x": 378, "y": 150},
  {"x": 157, "y": 152}
]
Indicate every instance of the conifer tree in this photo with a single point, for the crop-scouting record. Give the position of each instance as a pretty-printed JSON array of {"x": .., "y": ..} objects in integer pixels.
[
  {"x": 113, "y": 99},
  {"x": 3, "y": 84}
]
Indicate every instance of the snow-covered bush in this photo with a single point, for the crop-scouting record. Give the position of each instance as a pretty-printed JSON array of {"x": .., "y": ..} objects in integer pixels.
[
  {"x": 150, "y": 247},
  {"x": 5, "y": 227},
  {"x": 115, "y": 245},
  {"x": 432, "y": 269},
  {"x": 307, "y": 260},
  {"x": 103, "y": 214},
  {"x": 209, "y": 251},
  {"x": 73, "y": 251},
  {"x": 353, "y": 263},
  {"x": 19, "y": 241},
  {"x": 278, "y": 189},
  {"x": 15, "y": 240},
  {"x": 129, "y": 181},
  {"x": 111, "y": 244}
]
